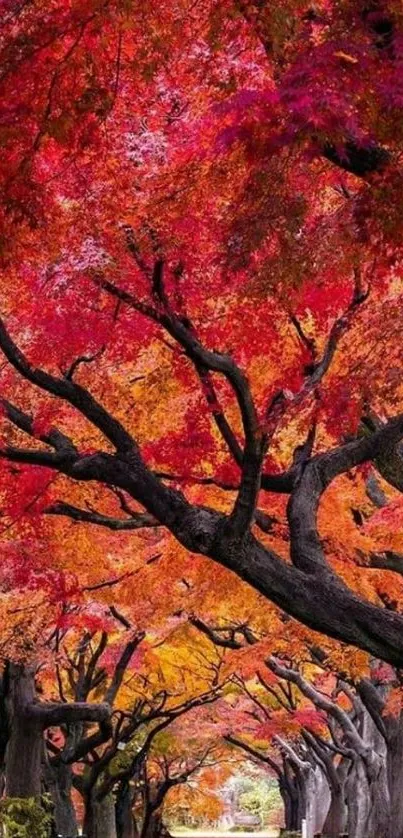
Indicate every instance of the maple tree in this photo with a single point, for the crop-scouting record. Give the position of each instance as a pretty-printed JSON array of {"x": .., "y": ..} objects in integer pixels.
[
  {"x": 204, "y": 214},
  {"x": 339, "y": 762},
  {"x": 200, "y": 255},
  {"x": 105, "y": 703}
]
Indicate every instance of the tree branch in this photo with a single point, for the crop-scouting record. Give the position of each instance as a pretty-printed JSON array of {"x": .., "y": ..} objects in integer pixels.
[
  {"x": 306, "y": 549},
  {"x": 321, "y": 701},
  {"x": 295, "y": 759},
  {"x": 52, "y": 715},
  {"x": 136, "y": 522},
  {"x": 69, "y": 391},
  {"x": 253, "y": 752},
  {"x": 121, "y": 667}
]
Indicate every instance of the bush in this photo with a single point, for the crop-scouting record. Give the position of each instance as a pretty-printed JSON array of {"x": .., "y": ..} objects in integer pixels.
[{"x": 24, "y": 818}]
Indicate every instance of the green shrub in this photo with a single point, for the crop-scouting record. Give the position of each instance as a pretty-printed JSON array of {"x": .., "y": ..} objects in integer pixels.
[{"x": 25, "y": 818}]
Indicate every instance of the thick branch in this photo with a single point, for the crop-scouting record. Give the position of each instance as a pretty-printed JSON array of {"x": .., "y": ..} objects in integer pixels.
[
  {"x": 295, "y": 759},
  {"x": 205, "y": 362},
  {"x": 121, "y": 667},
  {"x": 388, "y": 460},
  {"x": 55, "y": 438},
  {"x": 35, "y": 457},
  {"x": 373, "y": 702},
  {"x": 387, "y": 561},
  {"x": 68, "y": 390},
  {"x": 321, "y": 701},
  {"x": 52, "y": 715},
  {"x": 306, "y": 549},
  {"x": 253, "y": 752},
  {"x": 220, "y": 637}
]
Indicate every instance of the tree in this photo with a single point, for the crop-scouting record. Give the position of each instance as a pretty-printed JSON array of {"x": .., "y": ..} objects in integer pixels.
[
  {"x": 364, "y": 737},
  {"x": 147, "y": 696},
  {"x": 176, "y": 759},
  {"x": 86, "y": 675},
  {"x": 313, "y": 145},
  {"x": 28, "y": 720}
]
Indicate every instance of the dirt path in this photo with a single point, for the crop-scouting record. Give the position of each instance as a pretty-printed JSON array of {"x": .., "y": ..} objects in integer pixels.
[{"x": 196, "y": 833}]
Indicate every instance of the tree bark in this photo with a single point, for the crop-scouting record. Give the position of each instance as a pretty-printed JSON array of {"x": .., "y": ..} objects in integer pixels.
[
  {"x": 395, "y": 774},
  {"x": 374, "y": 697},
  {"x": 292, "y": 808},
  {"x": 99, "y": 819},
  {"x": 367, "y": 788},
  {"x": 308, "y": 787},
  {"x": 304, "y": 774},
  {"x": 321, "y": 799},
  {"x": 125, "y": 823},
  {"x": 153, "y": 826},
  {"x": 58, "y": 780},
  {"x": 377, "y": 774},
  {"x": 336, "y": 818},
  {"x": 25, "y": 744}
]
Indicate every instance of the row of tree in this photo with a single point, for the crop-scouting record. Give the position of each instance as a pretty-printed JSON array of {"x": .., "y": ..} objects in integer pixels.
[
  {"x": 119, "y": 738},
  {"x": 122, "y": 754}
]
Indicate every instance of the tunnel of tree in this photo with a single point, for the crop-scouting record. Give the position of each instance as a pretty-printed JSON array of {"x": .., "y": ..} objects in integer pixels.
[{"x": 201, "y": 411}]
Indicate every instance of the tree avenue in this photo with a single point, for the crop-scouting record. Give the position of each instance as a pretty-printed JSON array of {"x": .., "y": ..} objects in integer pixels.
[{"x": 201, "y": 454}]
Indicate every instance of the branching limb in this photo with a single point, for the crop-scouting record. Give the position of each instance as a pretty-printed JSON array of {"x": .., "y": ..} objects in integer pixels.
[
  {"x": 121, "y": 666},
  {"x": 52, "y": 715},
  {"x": 137, "y": 521},
  {"x": 388, "y": 460},
  {"x": 291, "y": 753},
  {"x": 253, "y": 752},
  {"x": 25, "y": 422},
  {"x": 68, "y": 390},
  {"x": 322, "y": 702},
  {"x": 306, "y": 548},
  {"x": 374, "y": 703},
  {"x": 205, "y": 362},
  {"x": 226, "y": 636},
  {"x": 387, "y": 561},
  {"x": 82, "y": 359}
]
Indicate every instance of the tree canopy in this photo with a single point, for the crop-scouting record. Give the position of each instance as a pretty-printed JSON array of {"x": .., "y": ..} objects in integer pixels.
[{"x": 201, "y": 455}]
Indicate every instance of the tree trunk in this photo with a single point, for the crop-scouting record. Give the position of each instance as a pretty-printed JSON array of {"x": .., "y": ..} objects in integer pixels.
[
  {"x": 153, "y": 826},
  {"x": 58, "y": 780},
  {"x": 321, "y": 800},
  {"x": 367, "y": 790},
  {"x": 289, "y": 807},
  {"x": 25, "y": 744},
  {"x": 99, "y": 819},
  {"x": 291, "y": 795},
  {"x": 379, "y": 820},
  {"x": 368, "y": 801},
  {"x": 308, "y": 782},
  {"x": 395, "y": 774},
  {"x": 125, "y": 823},
  {"x": 377, "y": 774},
  {"x": 358, "y": 800},
  {"x": 336, "y": 819},
  {"x": 304, "y": 801}
]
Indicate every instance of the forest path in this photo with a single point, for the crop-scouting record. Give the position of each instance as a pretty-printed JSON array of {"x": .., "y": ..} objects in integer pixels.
[{"x": 198, "y": 833}]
